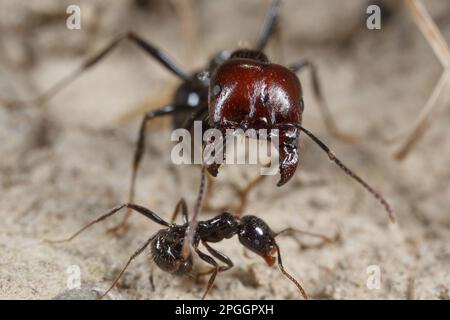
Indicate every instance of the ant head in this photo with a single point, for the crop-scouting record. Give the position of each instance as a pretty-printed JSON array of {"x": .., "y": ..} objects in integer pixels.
[
  {"x": 167, "y": 249},
  {"x": 247, "y": 92},
  {"x": 255, "y": 234}
]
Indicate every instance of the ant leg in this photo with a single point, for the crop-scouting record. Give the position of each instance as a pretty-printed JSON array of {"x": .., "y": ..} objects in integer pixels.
[
  {"x": 181, "y": 204},
  {"x": 270, "y": 25},
  {"x": 287, "y": 275},
  {"x": 220, "y": 256},
  {"x": 148, "y": 48},
  {"x": 137, "y": 253},
  {"x": 242, "y": 193},
  {"x": 213, "y": 271},
  {"x": 323, "y": 106},
  {"x": 190, "y": 231},
  {"x": 138, "y": 153},
  {"x": 209, "y": 192},
  {"x": 144, "y": 211}
]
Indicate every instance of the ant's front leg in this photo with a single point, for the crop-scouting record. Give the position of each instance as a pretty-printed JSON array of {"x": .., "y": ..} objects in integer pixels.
[
  {"x": 243, "y": 194},
  {"x": 138, "y": 153},
  {"x": 144, "y": 45},
  {"x": 208, "y": 259},
  {"x": 323, "y": 106},
  {"x": 216, "y": 269},
  {"x": 270, "y": 25},
  {"x": 184, "y": 211}
]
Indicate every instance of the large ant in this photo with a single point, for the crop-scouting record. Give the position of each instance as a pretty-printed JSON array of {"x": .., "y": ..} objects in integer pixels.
[
  {"x": 200, "y": 97},
  {"x": 166, "y": 245}
]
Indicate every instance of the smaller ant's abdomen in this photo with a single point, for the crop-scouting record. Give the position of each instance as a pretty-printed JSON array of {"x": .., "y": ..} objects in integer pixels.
[
  {"x": 246, "y": 93},
  {"x": 166, "y": 252}
]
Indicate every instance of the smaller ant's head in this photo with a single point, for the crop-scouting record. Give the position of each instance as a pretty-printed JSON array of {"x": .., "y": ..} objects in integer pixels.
[
  {"x": 255, "y": 234},
  {"x": 166, "y": 250}
]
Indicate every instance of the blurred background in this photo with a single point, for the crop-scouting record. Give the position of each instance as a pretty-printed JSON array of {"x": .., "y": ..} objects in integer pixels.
[{"x": 68, "y": 161}]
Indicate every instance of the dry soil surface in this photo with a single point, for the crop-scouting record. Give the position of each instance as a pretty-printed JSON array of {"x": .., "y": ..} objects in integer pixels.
[{"x": 67, "y": 162}]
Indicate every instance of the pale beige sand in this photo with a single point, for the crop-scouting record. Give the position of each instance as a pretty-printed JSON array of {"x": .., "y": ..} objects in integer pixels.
[{"x": 61, "y": 169}]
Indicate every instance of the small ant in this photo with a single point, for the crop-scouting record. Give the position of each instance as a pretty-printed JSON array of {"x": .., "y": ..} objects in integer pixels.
[
  {"x": 166, "y": 245},
  {"x": 198, "y": 97}
]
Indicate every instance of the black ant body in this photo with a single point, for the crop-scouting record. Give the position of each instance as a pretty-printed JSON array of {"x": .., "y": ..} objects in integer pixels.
[{"x": 166, "y": 245}]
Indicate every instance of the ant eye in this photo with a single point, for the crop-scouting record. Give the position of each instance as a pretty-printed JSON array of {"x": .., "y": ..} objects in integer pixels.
[{"x": 216, "y": 89}]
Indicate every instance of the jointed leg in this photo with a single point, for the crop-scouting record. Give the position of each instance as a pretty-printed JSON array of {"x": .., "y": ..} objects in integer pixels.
[
  {"x": 147, "y": 47},
  {"x": 270, "y": 25},
  {"x": 213, "y": 271},
  {"x": 242, "y": 193},
  {"x": 323, "y": 106},
  {"x": 138, "y": 153},
  {"x": 144, "y": 211},
  {"x": 208, "y": 194},
  {"x": 180, "y": 205},
  {"x": 220, "y": 256},
  {"x": 189, "y": 238},
  {"x": 137, "y": 253}
]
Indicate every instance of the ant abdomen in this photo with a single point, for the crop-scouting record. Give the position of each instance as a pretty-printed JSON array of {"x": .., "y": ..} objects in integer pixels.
[{"x": 166, "y": 250}]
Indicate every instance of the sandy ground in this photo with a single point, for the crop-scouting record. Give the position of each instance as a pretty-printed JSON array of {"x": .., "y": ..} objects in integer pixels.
[{"x": 65, "y": 164}]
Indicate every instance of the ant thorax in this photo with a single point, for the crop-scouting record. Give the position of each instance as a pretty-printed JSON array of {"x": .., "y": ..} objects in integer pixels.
[{"x": 224, "y": 226}]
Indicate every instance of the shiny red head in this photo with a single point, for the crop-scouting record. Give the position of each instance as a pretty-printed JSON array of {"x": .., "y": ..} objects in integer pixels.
[{"x": 248, "y": 92}]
